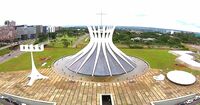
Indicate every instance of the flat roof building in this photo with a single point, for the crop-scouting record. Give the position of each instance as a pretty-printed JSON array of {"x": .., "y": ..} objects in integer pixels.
[{"x": 26, "y": 32}]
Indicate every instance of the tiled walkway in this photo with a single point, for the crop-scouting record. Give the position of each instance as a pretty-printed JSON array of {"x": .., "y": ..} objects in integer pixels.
[{"x": 140, "y": 91}]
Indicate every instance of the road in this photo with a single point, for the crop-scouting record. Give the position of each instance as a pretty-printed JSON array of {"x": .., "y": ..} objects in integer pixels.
[
  {"x": 13, "y": 44},
  {"x": 17, "y": 43},
  {"x": 79, "y": 40},
  {"x": 16, "y": 53},
  {"x": 10, "y": 55}
]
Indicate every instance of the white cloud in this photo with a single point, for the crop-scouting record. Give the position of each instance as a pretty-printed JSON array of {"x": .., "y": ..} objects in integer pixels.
[{"x": 153, "y": 13}]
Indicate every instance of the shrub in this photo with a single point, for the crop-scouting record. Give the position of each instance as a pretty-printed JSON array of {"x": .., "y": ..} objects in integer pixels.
[{"x": 136, "y": 46}]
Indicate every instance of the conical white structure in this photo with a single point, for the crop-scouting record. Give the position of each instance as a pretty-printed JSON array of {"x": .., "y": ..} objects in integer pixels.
[
  {"x": 34, "y": 75},
  {"x": 100, "y": 57}
]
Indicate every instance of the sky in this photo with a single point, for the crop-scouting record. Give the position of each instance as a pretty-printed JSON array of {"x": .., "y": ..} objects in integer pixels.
[{"x": 171, "y": 14}]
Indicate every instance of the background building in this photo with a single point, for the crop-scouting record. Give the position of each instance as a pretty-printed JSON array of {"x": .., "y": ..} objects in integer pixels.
[
  {"x": 9, "y": 23},
  {"x": 39, "y": 29},
  {"x": 8, "y": 32},
  {"x": 58, "y": 28},
  {"x": 45, "y": 30},
  {"x": 26, "y": 32},
  {"x": 51, "y": 29}
]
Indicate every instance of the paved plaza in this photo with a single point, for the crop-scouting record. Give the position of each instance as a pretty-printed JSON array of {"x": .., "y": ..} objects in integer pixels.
[{"x": 139, "y": 91}]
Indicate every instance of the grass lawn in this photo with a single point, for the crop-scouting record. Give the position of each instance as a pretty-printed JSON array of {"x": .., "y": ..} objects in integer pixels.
[
  {"x": 23, "y": 62},
  {"x": 158, "y": 59},
  {"x": 58, "y": 41},
  {"x": 4, "y": 51}
]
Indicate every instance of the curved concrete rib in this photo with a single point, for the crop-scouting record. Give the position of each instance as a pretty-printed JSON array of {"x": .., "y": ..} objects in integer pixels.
[
  {"x": 119, "y": 54},
  {"x": 113, "y": 55},
  {"x": 84, "y": 52},
  {"x": 86, "y": 59},
  {"x": 104, "y": 52},
  {"x": 96, "y": 58}
]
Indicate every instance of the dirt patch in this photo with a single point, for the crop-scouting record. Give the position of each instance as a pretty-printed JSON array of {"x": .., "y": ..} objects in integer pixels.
[
  {"x": 179, "y": 65},
  {"x": 43, "y": 59}
]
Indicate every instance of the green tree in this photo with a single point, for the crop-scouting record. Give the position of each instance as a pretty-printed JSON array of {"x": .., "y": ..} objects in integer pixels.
[{"x": 65, "y": 42}]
